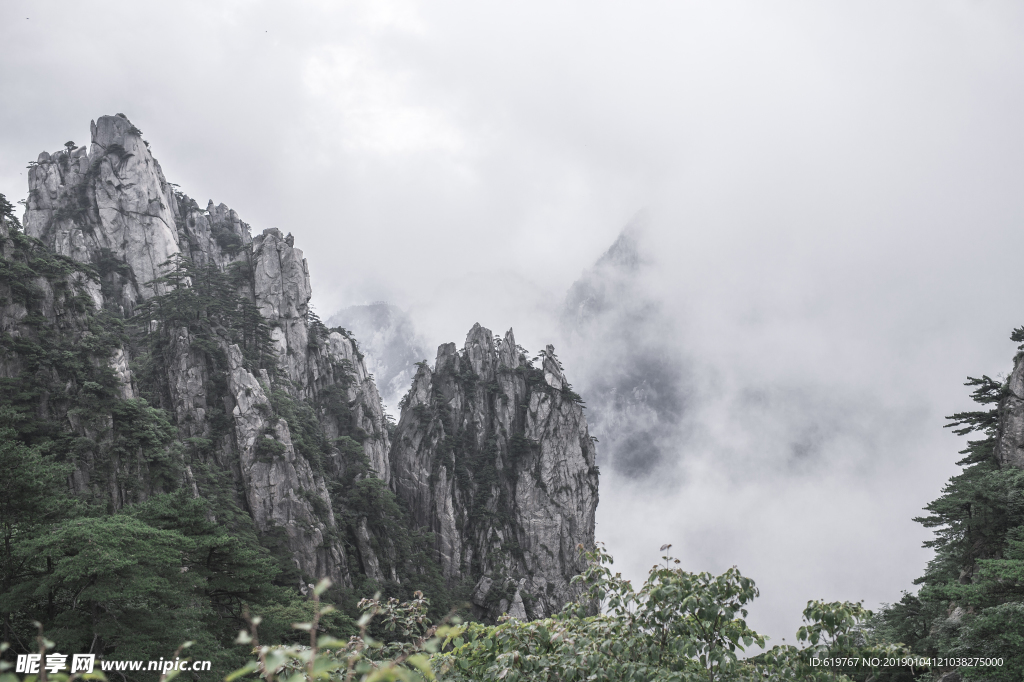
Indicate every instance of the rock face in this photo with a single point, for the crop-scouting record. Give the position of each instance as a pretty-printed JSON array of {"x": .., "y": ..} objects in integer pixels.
[
  {"x": 220, "y": 324},
  {"x": 314, "y": 366},
  {"x": 389, "y": 340},
  {"x": 158, "y": 346},
  {"x": 1010, "y": 443},
  {"x": 113, "y": 198},
  {"x": 492, "y": 454}
]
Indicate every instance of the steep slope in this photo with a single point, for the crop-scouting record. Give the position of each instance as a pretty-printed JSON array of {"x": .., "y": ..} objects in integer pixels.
[
  {"x": 173, "y": 310},
  {"x": 165, "y": 363},
  {"x": 493, "y": 455}
]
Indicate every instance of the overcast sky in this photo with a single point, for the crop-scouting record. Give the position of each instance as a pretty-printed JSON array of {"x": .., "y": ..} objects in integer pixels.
[{"x": 834, "y": 194}]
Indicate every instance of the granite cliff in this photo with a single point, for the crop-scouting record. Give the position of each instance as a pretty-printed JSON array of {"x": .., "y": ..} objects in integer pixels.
[
  {"x": 154, "y": 345},
  {"x": 390, "y": 343},
  {"x": 493, "y": 455},
  {"x": 216, "y": 330},
  {"x": 1009, "y": 447}
]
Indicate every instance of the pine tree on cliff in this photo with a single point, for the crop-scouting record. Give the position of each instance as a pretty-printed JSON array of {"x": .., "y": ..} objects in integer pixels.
[{"x": 971, "y": 600}]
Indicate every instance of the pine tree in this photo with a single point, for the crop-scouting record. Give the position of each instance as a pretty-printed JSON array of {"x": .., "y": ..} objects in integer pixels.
[{"x": 971, "y": 600}]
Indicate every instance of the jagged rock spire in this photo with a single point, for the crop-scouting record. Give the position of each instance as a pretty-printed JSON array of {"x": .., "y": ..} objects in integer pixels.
[{"x": 493, "y": 455}]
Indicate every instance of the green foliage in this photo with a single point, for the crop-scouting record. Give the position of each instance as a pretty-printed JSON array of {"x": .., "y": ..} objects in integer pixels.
[
  {"x": 972, "y": 592},
  {"x": 7, "y": 212},
  {"x": 396, "y": 542},
  {"x": 359, "y": 497},
  {"x": 112, "y": 578},
  {"x": 677, "y": 616},
  {"x": 360, "y": 659},
  {"x": 318, "y": 331},
  {"x": 62, "y": 347},
  {"x": 832, "y": 625},
  {"x": 129, "y": 585},
  {"x": 114, "y": 273},
  {"x": 277, "y": 620},
  {"x": 268, "y": 449},
  {"x": 208, "y": 304},
  {"x": 557, "y": 648},
  {"x": 32, "y": 497},
  {"x": 995, "y": 632},
  {"x": 229, "y": 242},
  {"x": 307, "y": 435},
  {"x": 839, "y": 630},
  {"x": 678, "y": 626},
  {"x": 334, "y": 404}
]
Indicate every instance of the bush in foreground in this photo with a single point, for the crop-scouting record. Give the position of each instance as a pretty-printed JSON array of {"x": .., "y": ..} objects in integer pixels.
[{"x": 677, "y": 627}]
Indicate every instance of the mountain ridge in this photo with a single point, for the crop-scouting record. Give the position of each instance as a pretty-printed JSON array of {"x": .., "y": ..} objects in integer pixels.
[{"x": 154, "y": 349}]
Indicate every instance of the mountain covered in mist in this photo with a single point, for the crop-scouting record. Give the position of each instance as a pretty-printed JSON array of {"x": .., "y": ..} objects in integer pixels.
[
  {"x": 185, "y": 443},
  {"x": 165, "y": 383},
  {"x": 626, "y": 359}
]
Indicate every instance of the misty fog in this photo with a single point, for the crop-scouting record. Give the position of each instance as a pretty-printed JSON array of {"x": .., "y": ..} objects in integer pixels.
[{"x": 820, "y": 204}]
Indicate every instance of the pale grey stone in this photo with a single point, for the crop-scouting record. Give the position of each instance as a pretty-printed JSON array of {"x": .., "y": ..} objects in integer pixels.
[
  {"x": 1010, "y": 438},
  {"x": 111, "y": 203},
  {"x": 542, "y": 502},
  {"x": 112, "y": 197},
  {"x": 371, "y": 565}
]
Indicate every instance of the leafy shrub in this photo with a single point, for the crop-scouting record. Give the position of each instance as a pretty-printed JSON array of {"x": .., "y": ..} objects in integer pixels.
[{"x": 679, "y": 627}]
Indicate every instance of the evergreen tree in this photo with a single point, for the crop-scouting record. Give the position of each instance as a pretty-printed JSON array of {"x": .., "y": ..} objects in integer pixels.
[{"x": 971, "y": 601}]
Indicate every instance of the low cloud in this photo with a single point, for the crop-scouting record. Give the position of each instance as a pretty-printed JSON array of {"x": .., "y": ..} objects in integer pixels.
[{"x": 833, "y": 238}]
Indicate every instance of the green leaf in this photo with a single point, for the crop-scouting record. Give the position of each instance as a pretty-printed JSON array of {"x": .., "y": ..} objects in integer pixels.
[
  {"x": 244, "y": 670},
  {"x": 322, "y": 586}
]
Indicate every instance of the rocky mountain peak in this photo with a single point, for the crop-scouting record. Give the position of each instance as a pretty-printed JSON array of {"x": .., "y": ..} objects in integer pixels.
[
  {"x": 218, "y": 335},
  {"x": 1009, "y": 449},
  {"x": 388, "y": 339},
  {"x": 111, "y": 199},
  {"x": 162, "y": 348},
  {"x": 492, "y": 454},
  {"x": 622, "y": 347}
]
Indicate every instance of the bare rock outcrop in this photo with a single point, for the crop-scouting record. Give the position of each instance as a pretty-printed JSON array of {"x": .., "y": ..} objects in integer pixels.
[
  {"x": 160, "y": 346},
  {"x": 1010, "y": 443},
  {"x": 281, "y": 487},
  {"x": 313, "y": 359},
  {"x": 492, "y": 454},
  {"x": 112, "y": 198},
  {"x": 222, "y": 324}
]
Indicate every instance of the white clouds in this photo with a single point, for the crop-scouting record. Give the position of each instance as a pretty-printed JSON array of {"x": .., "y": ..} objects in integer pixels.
[
  {"x": 365, "y": 108},
  {"x": 835, "y": 195}
]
